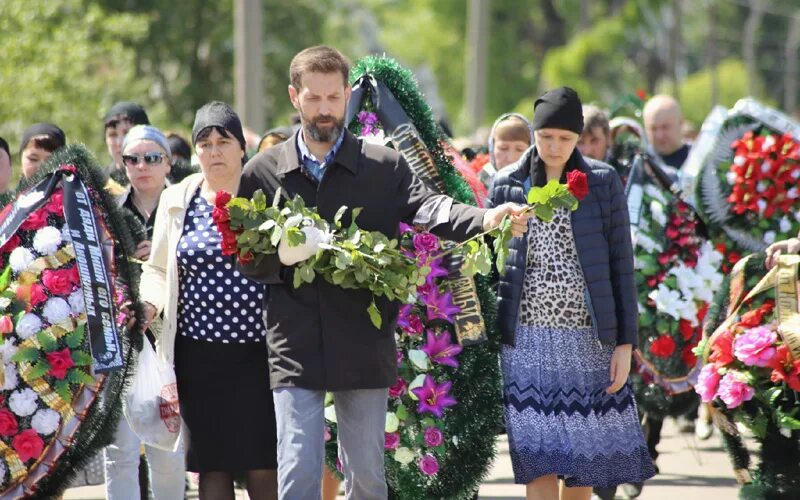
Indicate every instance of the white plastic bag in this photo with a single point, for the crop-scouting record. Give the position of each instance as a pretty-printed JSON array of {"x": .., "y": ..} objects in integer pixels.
[{"x": 151, "y": 403}]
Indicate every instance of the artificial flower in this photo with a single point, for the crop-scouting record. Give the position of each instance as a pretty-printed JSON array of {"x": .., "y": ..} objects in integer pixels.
[
  {"x": 330, "y": 413},
  {"x": 11, "y": 244},
  {"x": 8, "y": 348},
  {"x": 75, "y": 300},
  {"x": 419, "y": 359},
  {"x": 405, "y": 228},
  {"x": 398, "y": 389},
  {"x": 56, "y": 310},
  {"x": 667, "y": 301},
  {"x": 440, "y": 350},
  {"x": 434, "y": 397},
  {"x": 722, "y": 350},
  {"x": 28, "y": 445},
  {"x": 28, "y": 325},
  {"x": 23, "y": 402},
  {"x": 404, "y": 455},
  {"x": 441, "y": 306},
  {"x": 663, "y": 346},
  {"x": 392, "y": 422},
  {"x": 577, "y": 184},
  {"x": 8, "y": 423},
  {"x": 20, "y": 259},
  {"x": 415, "y": 384},
  {"x": 688, "y": 356},
  {"x": 58, "y": 282},
  {"x": 391, "y": 440},
  {"x": 755, "y": 347},
  {"x": 36, "y": 220},
  {"x": 428, "y": 465},
  {"x": 425, "y": 243},
  {"x": 707, "y": 383},
  {"x": 326, "y": 434},
  {"x": 433, "y": 436},
  {"x": 60, "y": 362},
  {"x": 657, "y": 212},
  {"x": 785, "y": 368},
  {"x": 65, "y": 234},
  {"x": 6, "y": 324},
  {"x": 46, "y": 240},
  {"x": 45, "y": 421},
  {"x": 55, "y": 205},
  {"x": 11, "y": 377},
  {"x": 733, "y": 390}
]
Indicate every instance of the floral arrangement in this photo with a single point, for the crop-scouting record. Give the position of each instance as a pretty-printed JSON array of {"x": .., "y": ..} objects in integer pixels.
[
  {"x": 677, "y": 272},
  {"x": 417, "y": 436}
]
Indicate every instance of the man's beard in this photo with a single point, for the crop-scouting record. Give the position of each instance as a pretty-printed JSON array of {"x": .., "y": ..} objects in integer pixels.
[{"x": 329, "y": 133}]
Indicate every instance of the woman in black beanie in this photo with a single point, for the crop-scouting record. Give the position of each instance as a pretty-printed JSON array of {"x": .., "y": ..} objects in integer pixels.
[{"x": 567, "y": 312}]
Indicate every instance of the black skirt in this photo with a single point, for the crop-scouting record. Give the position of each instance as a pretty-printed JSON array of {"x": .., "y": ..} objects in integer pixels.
[{"x": 226, "y": 403}]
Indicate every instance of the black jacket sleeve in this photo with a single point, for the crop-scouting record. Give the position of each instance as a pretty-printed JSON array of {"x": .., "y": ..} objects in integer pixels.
[{"x": 621, "y": 263}]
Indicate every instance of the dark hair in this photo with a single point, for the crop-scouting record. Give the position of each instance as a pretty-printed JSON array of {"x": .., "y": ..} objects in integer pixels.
[
  {"x": 178, "y": 145},
  {"x": 45, "y": 142},
  {"x": 4, "y": 146},
  {"x": 319, "y": 59},
  {"x": 204, "y": 133}
]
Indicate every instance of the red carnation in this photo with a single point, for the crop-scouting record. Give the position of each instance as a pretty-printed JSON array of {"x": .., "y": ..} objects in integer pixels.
[
  {"x": 722, "y": 350},
  {"x": 577, "y": 184},
  {"x": 222, "y": 198},
  {"x": 60, "y": 362},
  {"x": 28, "y": 445},
  {"x": 663, "y": 346},
  {"x": 8, "y": 423},
  {"x": 37, "y": 294},
  {"x": 58, "y": 282},
  {"x": 36, "y": 220}
]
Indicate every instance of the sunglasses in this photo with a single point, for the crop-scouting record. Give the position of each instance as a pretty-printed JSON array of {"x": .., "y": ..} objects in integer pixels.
[{"x": 148, "y": 158}]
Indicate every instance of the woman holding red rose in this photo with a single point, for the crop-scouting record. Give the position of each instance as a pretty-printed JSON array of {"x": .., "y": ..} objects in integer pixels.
[
  {"x": 213, "y": 331},
  {"x": 567, "y": 312}
]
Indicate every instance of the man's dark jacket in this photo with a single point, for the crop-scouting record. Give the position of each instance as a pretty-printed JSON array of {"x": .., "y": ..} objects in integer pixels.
[
  {"x": 602, "y": 235},
  {"x": 319, "y": 335}
]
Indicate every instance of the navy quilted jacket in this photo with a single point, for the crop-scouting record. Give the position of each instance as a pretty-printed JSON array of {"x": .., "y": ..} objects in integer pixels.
[{"x": 602, "y": 235}]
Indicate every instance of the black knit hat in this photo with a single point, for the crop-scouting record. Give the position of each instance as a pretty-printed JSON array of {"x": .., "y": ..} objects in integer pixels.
[
  {"x": 559, "y": 108},
  {"x": 218, "y": 114},
  {"x": 48, "y": 129},
  {"x": 133, "y": 112}
]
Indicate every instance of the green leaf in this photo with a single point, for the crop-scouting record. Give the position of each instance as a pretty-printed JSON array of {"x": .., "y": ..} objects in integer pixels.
[
  {"x": 275, "y": 238},
  {"x": 74, "y": 339},
  {"x": 788, "y": 422},
  {"x": 78, "y": 376},
  {"x": 295, "y": 236},
  {"x": 62, "y": 389},
  {"x": 773, "y": 393},
  {"x": 297, "y": 278},
  {"x": 276, "y": 200},
  {"x": 26, "y": 355},
  {"x": 374, "y": 315},
  {"x": 81, "y": 358},
  {"x": 5, "y": 278},
  {"x": 47, "y": 341},
  {"x": 39, "y": 369},
  {"x": 337, "y": 219},
  {"x": 307, "y": 273},
  {"x": 267, "y": 225},
  {"x": 402, "y": 412},
  {"x": 544, "y": 212}
]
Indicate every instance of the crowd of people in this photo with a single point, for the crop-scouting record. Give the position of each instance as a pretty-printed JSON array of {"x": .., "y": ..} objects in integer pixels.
[{"x": 263, "y": 354}]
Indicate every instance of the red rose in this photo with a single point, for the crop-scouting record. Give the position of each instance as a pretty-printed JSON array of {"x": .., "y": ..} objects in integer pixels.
[
  {"x": 28, "y": 445},
  {"x": 56, "y": 203},
  {"x": 577, "y": 184},
  {"x": 11, "y": 244},
  {"x": 8, "y": 423},
  {"x": 663, "y": 346},
  {"x": 6, "y": 325},
  {"x": 220, "y": 215},
  {"x": 398, "y": 389},
  {"x": 36, "y": 220},
  {"x": 58, "y": 282},
  {"x": 74, "y": 275},
  {"x": 37, "y": 294},
  {"x": 222, "y": 198},
  {"x": 687, "y": 330},
  {"x": 228, "y": 246},
  {"x": 687, "y": 356},
  {"x": 60, "y": 362}
]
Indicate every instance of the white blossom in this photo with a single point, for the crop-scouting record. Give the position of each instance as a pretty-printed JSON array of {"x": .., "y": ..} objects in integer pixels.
[
  {"x": 766, "y": 167},
  {"x": 657, "y": 211},
  {"x": 47, "y": 240},
  {"x": 11, "y": 377},
  {"x": 76, "y": 301},
  {"x": 392, "y": 422},
  {"x": 20, "y": 259},
  {"x": 793, "y": 192},
  {"x": 330, "y": 413},
  {"x": 45, "y": 421},
  {"x": 761, "y": 186},
  {"x": 768, "y": 143},
  {"x": 648, "y": 244},
  {"x": 8, "y": 349},
  {"x": 29, "y": 324},
  {"x": 731, "y": 177},
  {"x": 56, "y": 310},
  {"x": 739, "y": 160},
  {"x": 785, "y": 225},
  {"x": 4, "y": 303},
  {"x": 769, "y": 237},
  {"x": 404, "y": 455},
  {"x": 23, "y": 402},
  {"x": 667, "y": 301}
]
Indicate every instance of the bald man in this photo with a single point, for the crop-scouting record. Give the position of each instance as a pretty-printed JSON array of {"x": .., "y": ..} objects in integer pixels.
[{"x": 662, "y": 124}]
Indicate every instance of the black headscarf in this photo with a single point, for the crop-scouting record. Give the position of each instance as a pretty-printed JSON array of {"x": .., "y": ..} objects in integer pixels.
[
  {"x": 133, "y": 112},
  {"x": 218, "y": 114},
  {"x": 48, "y": 129},
  {"x": 559, "y": 108}
]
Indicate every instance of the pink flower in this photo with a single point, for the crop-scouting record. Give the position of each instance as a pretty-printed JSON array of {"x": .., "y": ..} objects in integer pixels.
[
  {"x": 425, "y": 243},
  {"x": 440, "y": 350},
  {"x": 405, "y": 228},
  {"x": 707, "y": 383},
  {"x": 327, "y": 434},
  {"x": 441, "y": 306},
  {"x": 398, "y": 389},
  {"x": 428, "y": 465},
  {"x": 733, "y": 391},
  {"x": 433, "y": 437},
  {"x": 433, "y": 397},
  {"x": 399, "y": 358},
  {"x": 755, "y": 346},
  {"x": 391, "y": 440}
]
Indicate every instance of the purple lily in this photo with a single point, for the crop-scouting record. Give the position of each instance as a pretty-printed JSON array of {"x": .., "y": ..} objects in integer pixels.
[
  {"x": 433, "y": 397},
  {"x": 437, "y": 269},
  {"x": 405, "y": 228},
  {"x": 404, "y": 316},
  {"x": 440, "y": 350},
  {"x": 440, "y": 306}
]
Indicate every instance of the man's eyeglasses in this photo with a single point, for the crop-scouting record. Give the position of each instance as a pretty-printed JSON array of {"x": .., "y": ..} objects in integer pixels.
[{"x": 149, "y": 159}]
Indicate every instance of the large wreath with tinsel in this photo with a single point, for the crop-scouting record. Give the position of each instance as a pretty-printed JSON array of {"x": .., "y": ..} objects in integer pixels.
[
  {"x": 751, "y": 377},
  {"x": 677, "y": 271},
  {"x": 445, "y": 409},
  {"x": 52, "y": 415}
]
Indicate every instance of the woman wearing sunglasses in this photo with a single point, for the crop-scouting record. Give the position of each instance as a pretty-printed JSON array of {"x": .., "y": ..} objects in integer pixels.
[
  {"x": 213, "y": 331},
  {"x": 147, "y": 159}
]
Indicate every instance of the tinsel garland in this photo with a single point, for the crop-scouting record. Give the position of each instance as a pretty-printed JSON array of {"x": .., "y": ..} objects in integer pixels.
[
  {"x": 476, "y": 384},
  {"x": 102, "y": 418},
  {"x": 777, "y": 474}
]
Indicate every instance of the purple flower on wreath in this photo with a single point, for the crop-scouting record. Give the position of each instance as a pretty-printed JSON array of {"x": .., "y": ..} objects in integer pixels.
[
  {"x": 424, "y": 291},
  {"x": 437, "y": 269},
  {"x": 391, "y": 440},
  {"x": 405, "y": 228},
  {"x": 433, "y": 397},
  {"x": 399, "y": 358},
  {"x": 433, "y": 437},
  {"x": 410, "y": 323},
  {"x": 327, "y": 436},
  {"x": 440, "y": 349},
  {"x": 368, "y": 121},
  {"x": 440, "y": 306},
  {"x": 429, "y": 465},
  {"x": 425, "y": 243}
]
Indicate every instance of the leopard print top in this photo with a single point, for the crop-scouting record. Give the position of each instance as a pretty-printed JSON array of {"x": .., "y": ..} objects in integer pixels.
[{"x": 553, "y": 290}]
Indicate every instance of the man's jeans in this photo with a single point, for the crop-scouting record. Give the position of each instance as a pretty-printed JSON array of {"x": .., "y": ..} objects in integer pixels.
[
  {"x": 167, "y": 469},
  {"x": 360, "y": 418}
]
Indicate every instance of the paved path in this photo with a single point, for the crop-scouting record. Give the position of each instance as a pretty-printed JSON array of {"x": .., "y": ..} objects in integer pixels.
[{"x": 690, "y": 470}]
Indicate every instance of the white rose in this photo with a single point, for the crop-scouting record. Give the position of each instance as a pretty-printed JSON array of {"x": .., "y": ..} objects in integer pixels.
[
  {"x": 419, "y": 359},
  {"x": 417, "y": 382},
  {"x": 330, "y": 413},
  {"x": 45, "y": 421},
  {"x": 47, "y": 240},
  {"x": 11, "y": 378},
  {"x": 404, "y": 455},
  {"x": 29, "y": 324},
  {"x": 76, "y": 302},
  {"x": 56, "y": 310},
  {"x": 8, "y": 349},
  {"x": 290, "y": 255},
  {"x": 23, "y": 402},
  {"x": 20, "y": 259},
  {"x": 392, "y": 422}
]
